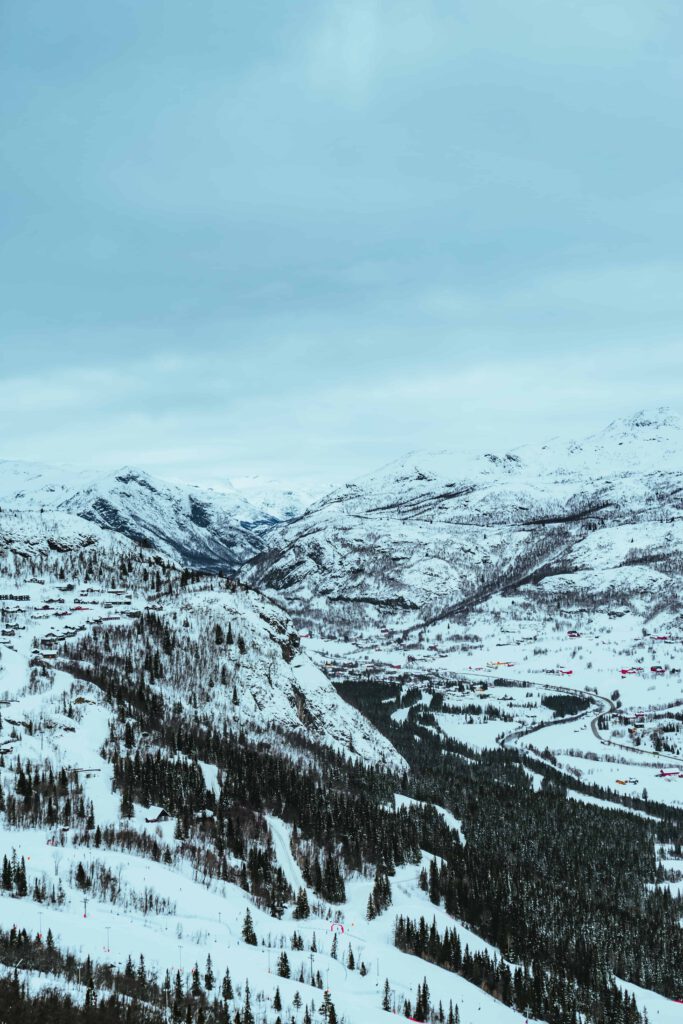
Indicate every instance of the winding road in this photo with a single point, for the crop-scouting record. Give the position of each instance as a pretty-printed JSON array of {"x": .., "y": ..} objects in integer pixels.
[{"x": 605, "y": 705}]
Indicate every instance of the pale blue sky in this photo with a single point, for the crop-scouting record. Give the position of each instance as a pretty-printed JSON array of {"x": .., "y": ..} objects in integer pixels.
[{"x": 301, "y": 239}]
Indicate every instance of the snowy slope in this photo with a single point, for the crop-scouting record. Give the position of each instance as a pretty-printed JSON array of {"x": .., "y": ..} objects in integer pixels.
[
  {"x": 67, "y": 583},
  {"x": 264, "y": 682},
  {"x": 276, "y": 498},
  {"x": 203, "y": 529},
  {"x": 75, "y": 595},
  {"x": 440, "y": 533},
  {"x": 33, "y": 485}
]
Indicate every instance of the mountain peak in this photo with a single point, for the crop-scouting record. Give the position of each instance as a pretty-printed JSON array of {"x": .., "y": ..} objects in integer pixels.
[
  {"x": 645, "y": 420},
  {"x": 130, "y": 473}
]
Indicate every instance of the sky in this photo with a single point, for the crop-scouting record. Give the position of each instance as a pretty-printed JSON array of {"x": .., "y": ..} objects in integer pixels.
[{"x": 300, "y": 240}]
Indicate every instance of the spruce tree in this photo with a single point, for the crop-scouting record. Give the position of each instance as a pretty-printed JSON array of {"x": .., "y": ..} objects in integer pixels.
[
  {"x": 20, "y": 879},
  {"x": 247, "y": 1015},
  {"x": 301, "y": 909},
  {"x": 209, "y": 977},
  {"x": 283, "y": 968},
  {"x": 248, "y": 933},
  {"x": 226, "y": 987}
]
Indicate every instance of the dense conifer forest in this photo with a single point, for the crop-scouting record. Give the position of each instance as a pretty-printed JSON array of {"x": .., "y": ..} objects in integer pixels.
[{"x": 565, "y": 890}]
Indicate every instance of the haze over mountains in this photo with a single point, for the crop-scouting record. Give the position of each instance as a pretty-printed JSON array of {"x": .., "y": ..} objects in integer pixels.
[{"x": 430, "y": 535}]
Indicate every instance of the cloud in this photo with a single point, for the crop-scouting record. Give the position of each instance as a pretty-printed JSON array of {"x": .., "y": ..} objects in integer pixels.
[
  {"x": 183, "y": 419},
  {"x": 322, "y": 236},
  {"x": 358, "y": 44}
]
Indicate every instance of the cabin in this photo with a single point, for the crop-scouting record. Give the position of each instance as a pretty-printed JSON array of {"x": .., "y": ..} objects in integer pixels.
[{"x": 157, "y": 814}]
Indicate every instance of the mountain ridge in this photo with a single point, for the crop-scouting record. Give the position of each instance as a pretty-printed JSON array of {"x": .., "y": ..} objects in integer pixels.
[
  {"x": 202, "y": 528},
  {"x": 427, "y": 534}
]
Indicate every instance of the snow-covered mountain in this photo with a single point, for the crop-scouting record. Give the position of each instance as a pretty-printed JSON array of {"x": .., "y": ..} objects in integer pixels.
[
  {"x": 203, "y": 529},
  {"x": 437, "y": 533},
  {"x": 35, "y": 485},
  {"x": 276, "y": 498},
  {"x": 186, "y": 796},
  {"x": 259, "y": 679},
  {"x": 183, "y": 755}
]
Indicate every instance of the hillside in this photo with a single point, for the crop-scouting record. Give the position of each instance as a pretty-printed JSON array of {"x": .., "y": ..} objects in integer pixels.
[
  {"x": 198, "y": 825},
  {"x": 438, "y": 535},
  {"x": 173, "y": 766},
  {"x": 236, "y": 655},
  {"x": 205, "y": 529}
]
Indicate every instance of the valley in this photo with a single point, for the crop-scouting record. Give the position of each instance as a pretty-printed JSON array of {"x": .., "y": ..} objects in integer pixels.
[{"x": 387, "y": 759}]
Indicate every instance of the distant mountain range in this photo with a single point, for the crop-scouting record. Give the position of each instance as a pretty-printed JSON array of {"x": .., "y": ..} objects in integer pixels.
[
  {"x": 438, "y": 534},
  {"x": 201, "y": 528},
  {"x": 432, "y": 535}
]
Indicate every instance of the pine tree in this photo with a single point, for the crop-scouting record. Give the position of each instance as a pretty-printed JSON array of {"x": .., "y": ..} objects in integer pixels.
[
  {"x": 422, "y": 1004},
  {"x": 434, "y": 890},
  {"x": 248, "y": 933},
  {"x": 283, "y": 968},
  {"x": 247, "y": 1015},
  {"x": 209, "y": 977},
  {"x": 381, "y": 893},
  {"x": 386, "y": 998},
  {"x": 327, "y": 1009},
  {"x": 277, "y": 1001},
  {"x": 6, "y": 874},
  {"x": 226, "y": 987},
  {"x": 20, "y": 879},
  {"x": 301, "y": 909},
  {"x": 127, "y": 809}
]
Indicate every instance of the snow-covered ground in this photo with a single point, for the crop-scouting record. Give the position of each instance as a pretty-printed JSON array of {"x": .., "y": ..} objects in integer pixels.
[
  {"x": 547, "y": 660},
  {"x": 55, "y": 721}
]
